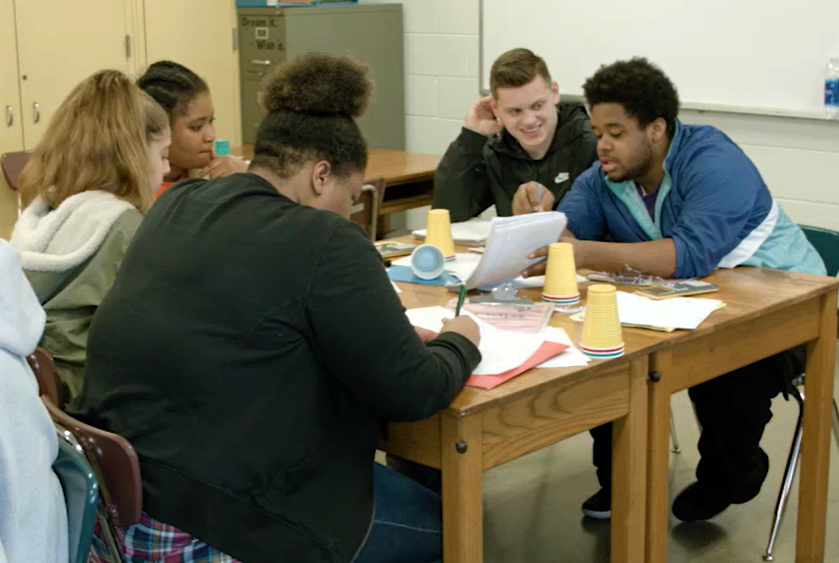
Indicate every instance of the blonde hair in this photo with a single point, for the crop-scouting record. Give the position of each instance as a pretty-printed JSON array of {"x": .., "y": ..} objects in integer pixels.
[
  {"x": 156, "y": 119},
  {"x": 516, "y": 68},
  {"x": 95, "y": 141}
]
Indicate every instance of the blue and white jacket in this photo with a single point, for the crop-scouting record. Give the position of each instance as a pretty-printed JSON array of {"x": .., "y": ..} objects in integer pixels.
[{"x": 712, "y": 202}]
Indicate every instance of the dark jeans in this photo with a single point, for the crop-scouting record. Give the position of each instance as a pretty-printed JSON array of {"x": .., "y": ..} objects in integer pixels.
[
  {"x": 407, "y": 521},
  {"x": 733, "y": 410}
]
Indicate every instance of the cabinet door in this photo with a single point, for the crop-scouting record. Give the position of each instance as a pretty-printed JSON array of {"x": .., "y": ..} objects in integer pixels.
[
  {"x": 11, "y": 132},
  {"x": 59, "y": 44},
  {"x": 199, "y": 35}
]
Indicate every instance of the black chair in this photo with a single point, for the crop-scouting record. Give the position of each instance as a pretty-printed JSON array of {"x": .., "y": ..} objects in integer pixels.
[{"x": 826, "y": 243}]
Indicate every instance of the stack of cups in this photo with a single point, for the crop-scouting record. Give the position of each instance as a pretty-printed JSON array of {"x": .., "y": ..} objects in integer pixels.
[
  {"x": 602, "y": 338},
  {"x": 439, "y": 232},
  {"x": 561, "y": 276}
]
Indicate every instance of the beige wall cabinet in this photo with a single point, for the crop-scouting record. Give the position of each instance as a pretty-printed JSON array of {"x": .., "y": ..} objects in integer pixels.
[
  {"x": 11, "y": 130},
  {"x": 199, "y": 34},
  {"x": 59, "y": 44}
]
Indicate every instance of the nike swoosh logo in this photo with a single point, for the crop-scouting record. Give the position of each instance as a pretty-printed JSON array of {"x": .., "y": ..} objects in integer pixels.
[{"x": 561, "y": 177}]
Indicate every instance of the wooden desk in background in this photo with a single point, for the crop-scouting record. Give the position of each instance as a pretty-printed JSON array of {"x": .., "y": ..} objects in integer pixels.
[
  {"x": 767, "y": 312},
  {"x": 409, "y": 178}
]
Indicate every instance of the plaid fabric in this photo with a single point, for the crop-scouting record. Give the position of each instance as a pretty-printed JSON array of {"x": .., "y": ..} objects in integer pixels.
[{"x": 150, "y": 540}]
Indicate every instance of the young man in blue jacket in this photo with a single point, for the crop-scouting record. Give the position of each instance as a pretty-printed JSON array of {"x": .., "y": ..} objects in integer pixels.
[{"x": 678, "y": 201}]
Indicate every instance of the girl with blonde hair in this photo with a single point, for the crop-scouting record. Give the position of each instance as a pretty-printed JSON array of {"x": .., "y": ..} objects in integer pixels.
[{"x": 84, "y": 191}]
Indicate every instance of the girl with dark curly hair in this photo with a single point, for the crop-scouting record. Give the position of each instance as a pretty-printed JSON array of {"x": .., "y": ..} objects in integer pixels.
[{"x": 253, "y": 345}]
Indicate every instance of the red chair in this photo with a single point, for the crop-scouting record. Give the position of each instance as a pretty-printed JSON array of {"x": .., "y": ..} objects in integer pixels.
[
  {"x": 366, "y": 211},
  {"x": 12, "y": 164},
  {"x": 112, "y": 457}
]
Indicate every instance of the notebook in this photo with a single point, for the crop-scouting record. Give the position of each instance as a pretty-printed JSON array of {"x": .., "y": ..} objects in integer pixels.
[{"x": 510, "y": 241}]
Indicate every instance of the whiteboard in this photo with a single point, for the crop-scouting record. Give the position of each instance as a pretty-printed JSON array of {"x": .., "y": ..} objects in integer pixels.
[{"x": 752, "y": 56}]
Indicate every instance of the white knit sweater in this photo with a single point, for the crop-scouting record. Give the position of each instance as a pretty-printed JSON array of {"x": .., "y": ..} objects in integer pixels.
[
  {"x": 55, "y": 240},
  {"x": 33, "y": 516}
]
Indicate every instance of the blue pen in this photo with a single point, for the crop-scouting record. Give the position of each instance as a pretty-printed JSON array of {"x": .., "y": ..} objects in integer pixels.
[{"x": 538, "y": 195}]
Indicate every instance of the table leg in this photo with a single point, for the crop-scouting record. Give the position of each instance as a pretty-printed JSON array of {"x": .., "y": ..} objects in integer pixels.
[
  {"x": 815, "y": 447},
  {"x": 658, "y": 459},
  {"x": 462, "y": 489},
  {"x": 629, "y": 462}
]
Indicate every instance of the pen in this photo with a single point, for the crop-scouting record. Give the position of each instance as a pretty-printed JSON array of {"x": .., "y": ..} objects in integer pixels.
[
  {"x": 460, "y": 299},
  {"x": 539, "y": 193}
]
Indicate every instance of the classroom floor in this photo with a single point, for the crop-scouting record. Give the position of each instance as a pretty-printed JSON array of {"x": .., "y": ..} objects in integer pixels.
[{"x": 532, "y": 505}]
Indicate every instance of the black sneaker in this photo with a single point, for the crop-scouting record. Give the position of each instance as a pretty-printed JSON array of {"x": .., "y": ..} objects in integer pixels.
[
  {"x": 746, "y": 493},
  {"x": 599, "y": 505},
  {"x": 700, "y": 502}
]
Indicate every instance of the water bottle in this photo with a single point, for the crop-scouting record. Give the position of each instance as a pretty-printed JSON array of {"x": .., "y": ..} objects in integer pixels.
[{"x": 831, "y": 89}]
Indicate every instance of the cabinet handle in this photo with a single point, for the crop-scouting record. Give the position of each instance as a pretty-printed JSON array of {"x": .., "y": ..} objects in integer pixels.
[
  {"x": 10, "y": 116},
  {"x": 37, "y": 112},
  {"x": 259, "y": 62}
]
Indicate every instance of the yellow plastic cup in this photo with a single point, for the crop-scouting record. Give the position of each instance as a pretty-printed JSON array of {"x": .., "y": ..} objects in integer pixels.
[
  {"x": 439, "y": 232},
  {"x": 602, "y": 336},
  {"x": 561, "y": 276}
]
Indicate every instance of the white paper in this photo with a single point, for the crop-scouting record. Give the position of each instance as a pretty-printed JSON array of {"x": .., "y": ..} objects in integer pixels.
[
  {"x": 473, "y": 231},
  {"x": 429, "y": 318},
  {"x": 501, "y": 350},
  {"x": 679, "y": 312},
  {"x": 510, "y": 240},
  {"x": 571, "y": 357},
  {"x": 538, "y": 281}
]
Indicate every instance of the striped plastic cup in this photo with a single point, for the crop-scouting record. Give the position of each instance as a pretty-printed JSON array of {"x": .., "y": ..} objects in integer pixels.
[
  {"x": 561, "y": 276},
  {"x": 602, "y": 336}
]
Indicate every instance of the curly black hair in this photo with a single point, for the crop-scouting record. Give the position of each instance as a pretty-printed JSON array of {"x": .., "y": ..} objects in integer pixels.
[
  {"x": 640, "y": 87},
  {"x": 311, "y": 104},
  {"x": 172, "y": 85}
]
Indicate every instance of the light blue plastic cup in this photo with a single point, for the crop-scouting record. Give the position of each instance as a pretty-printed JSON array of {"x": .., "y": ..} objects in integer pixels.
[
  {"x": 427, "y": 262},
  {"x": 221, "y": 147}
]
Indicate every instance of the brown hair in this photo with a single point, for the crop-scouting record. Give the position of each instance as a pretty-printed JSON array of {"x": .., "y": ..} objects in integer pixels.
[
  {"x": 95, "y": 141},
  {"x": 516, "y": 68},
  {"x": 312, "y": 103}
]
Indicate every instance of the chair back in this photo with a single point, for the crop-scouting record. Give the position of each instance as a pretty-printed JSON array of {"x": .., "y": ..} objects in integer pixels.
[
  {"x": 826, "y": 243},
  {"x": 12, "y": 164},
  {"x": 81, "y": 493},
  {"x": 366, "y": 211},
  {"x": 115, "y": 462},
  {"x": 49, "y": 383}
]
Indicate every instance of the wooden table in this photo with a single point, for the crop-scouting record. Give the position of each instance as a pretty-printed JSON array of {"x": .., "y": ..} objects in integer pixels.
[
  {"x": 409, "y": 178},
  {"x": 485, "y": 428},
  {"x": 767, "y": 312}
]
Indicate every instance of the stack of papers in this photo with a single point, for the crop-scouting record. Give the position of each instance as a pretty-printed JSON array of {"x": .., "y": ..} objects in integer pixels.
[
  {"x": 505, "y": 353},
  {"x": 510, "y": 240},
  {"x": 571, "y": 357},
  {"x": 473, "y": 232},
  {"x": 684, "y": 312}
]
